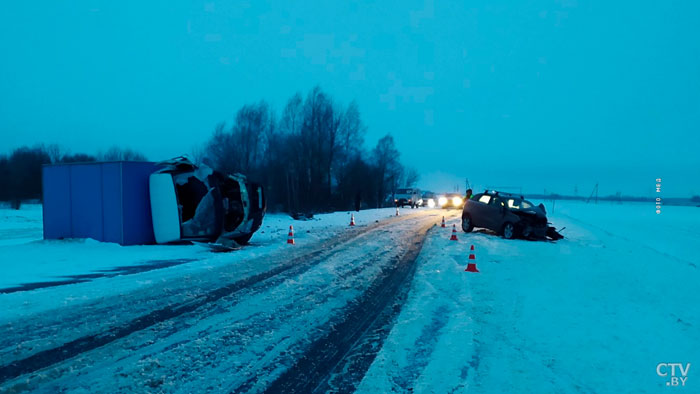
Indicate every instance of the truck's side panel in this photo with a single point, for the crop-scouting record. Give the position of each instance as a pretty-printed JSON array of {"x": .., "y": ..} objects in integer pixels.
[
  {"x": 56, "y": 198},
  {"x": 112, "y": 203},
  {"x": 86, "y": 201},
  {"x": 106, "y": 201}
]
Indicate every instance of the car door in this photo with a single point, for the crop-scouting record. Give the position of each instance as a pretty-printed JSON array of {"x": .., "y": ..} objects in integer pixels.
[
  {"x": 494, "y": 214},
  {"x": 478, "y": 210}
]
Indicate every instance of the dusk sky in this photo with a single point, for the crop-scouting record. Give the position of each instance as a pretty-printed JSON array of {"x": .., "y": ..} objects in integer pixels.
[{"x": 551, "y": 95}]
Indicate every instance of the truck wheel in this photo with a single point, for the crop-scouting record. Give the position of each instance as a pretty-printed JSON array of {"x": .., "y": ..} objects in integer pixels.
[
  {"x": 508, "y": 230},
  {"x": 467, "y": 225}
]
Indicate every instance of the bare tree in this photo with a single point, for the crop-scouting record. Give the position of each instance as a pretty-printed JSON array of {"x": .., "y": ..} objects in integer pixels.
[
  {"x": 411, "y": 177},
  {"x": 54, "y": 152},
  {"x": 242, "y": 148},
  {"x": 311, "y": 159},
  {"x": 116, "y": 153},
  {"x": 389, "y": 169}
]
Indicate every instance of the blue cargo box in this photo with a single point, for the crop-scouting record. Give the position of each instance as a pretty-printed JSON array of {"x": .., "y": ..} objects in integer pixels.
[{"x": 106, "y": 201}]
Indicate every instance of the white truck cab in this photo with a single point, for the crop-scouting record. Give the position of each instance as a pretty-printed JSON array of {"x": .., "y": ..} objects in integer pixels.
[{"x": 196, "y": 203}]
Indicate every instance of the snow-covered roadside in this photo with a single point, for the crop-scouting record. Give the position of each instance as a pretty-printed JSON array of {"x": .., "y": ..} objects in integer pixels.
[
  {"x": 20, "y": 226},
  {"x": 36, "y": 260},
  {"x": 595, "y": 312}
]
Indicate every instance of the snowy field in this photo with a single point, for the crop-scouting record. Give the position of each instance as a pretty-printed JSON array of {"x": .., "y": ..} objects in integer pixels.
[{"x": 593, "y": 313}]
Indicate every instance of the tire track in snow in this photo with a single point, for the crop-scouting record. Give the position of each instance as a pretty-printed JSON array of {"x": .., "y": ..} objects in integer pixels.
[
  {"x": 232, "y": 354},
  {"x": 422, "y": 350},
  {"x": 73, "y": 348},
  {"x": 342, "y": 348},
  {"x": 50, "y": 324}
]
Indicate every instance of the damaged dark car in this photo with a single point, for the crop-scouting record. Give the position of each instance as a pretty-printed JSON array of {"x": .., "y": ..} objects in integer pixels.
[
  {"x": 197, "y": 203},
  {"x": 508, "y": 215}
]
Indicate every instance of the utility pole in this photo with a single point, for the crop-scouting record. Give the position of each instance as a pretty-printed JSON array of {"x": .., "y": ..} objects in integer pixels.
[{"x": 594, "y": 192}]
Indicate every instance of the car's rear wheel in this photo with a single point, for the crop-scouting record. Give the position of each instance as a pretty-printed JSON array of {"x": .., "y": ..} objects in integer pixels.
[
  {"x": 467, "y": 225},
  {"x": 508, "y": 231}
]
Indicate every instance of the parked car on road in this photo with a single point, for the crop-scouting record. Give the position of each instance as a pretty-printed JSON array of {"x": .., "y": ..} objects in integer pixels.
[
  {"x": 196, "y": 203},
  {"x": 508, "y": 215}
]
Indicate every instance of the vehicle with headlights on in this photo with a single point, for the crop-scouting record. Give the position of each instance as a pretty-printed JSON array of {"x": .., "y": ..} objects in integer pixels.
[
  {"x": 429, "y": 200},
  {"x": 451, "y": 201},
  {"x": 410, "y": 197}
]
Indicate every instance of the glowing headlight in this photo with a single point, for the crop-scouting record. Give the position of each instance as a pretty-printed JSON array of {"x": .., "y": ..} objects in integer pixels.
[
  {"x": 431, "y": 203},
  {"x": 442, "y": 201},
  {"x": 456, "y": 201},
  {"x": 420, "y": 202}
]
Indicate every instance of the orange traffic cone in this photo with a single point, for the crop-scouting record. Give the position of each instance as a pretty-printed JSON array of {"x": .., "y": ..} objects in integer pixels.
[
  {"x": 471, "y": 266},
  {"x": 443, "y": 222},
  {"x": 290, "y": 236},
  {"x": 454, "y": 233},
  {"x": 352, "y": 219},
  {"x": 397, "y": 211}
]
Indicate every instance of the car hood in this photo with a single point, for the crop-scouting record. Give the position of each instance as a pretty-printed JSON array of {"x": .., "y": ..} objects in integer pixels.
[{"x": 534, "y": 211}]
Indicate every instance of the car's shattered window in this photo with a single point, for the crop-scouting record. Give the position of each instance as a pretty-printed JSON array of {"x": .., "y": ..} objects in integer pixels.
[
  {"x": 190, "y": 191},
  {"x": 202, "y": 222}
]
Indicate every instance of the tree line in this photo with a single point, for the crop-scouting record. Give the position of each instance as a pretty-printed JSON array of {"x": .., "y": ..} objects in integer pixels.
[
  {"x": 311, "y": 157},
  {"x": 20, "y": 171}
]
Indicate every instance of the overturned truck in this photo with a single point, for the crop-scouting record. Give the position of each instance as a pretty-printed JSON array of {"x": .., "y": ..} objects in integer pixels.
[
  {"x": 140, "y": 203},
  {"x": 196, "y": 203}
]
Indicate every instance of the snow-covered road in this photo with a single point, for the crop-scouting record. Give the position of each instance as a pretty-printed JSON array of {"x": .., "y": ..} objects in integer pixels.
[
  {"x": 360, "y": 309},
  {"x": 232, "y": 328}
]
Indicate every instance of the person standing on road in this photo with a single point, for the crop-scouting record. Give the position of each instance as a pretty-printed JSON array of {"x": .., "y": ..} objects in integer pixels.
[{"x": 469, "y": 194}]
